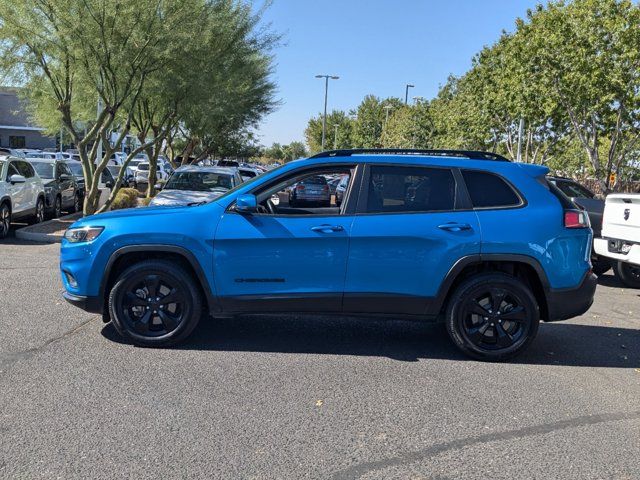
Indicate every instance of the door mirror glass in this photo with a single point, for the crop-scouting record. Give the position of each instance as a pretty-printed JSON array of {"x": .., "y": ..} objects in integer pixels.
[
  {"x": 246, "y": 203},
  {"x": 109, "y": 184},
  {"x": 17, "y": 179},
  {"x": 64, "y": 177}
]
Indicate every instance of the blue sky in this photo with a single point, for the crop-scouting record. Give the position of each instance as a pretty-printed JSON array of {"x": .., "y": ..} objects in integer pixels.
[{"x": 375, "y": 47}]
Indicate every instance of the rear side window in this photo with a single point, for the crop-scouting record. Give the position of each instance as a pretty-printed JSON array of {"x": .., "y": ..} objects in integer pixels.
[
  {"x": 488, "y": 190},
  {"x": 410, "y": 189}
]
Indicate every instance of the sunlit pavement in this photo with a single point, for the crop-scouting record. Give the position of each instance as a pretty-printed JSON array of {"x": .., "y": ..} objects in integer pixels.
[{"x": 272, "y": 397}]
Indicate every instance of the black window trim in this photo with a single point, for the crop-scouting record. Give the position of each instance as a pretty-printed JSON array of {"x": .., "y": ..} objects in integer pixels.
[
  {"x": 351, "y": 196},
  {"x": 460, "y": 201},
  {"x": 523, "y": 201}
]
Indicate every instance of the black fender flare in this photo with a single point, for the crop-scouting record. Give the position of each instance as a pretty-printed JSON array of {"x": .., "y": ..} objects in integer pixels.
[
  {"x": 436, "y": 306},
  {"x": 212, "y": 302}
]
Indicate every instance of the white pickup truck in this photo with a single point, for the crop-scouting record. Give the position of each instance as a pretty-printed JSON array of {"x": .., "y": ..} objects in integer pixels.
[{"x": 621, "y": 236}]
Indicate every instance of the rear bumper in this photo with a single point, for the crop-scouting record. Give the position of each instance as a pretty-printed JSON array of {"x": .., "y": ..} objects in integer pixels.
[
  {"x": 568, "y": 303},
  {"x": 88, "y": 304},
  {"x": 604, "y": 247}
]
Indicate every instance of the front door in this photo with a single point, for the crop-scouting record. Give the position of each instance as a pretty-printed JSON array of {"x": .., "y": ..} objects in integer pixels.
[
  {"x": 283, "y": 258},
  {"x": 408, "y": 234}
]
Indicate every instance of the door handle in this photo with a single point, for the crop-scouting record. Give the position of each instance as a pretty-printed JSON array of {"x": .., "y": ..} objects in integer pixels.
[
  {"x": 454, "y": 227},
  {"x": 328, "y": 228}
]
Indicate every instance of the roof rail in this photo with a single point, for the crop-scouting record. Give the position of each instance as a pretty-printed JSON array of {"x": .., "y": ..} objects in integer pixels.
[{"x": 470, "y": 154}]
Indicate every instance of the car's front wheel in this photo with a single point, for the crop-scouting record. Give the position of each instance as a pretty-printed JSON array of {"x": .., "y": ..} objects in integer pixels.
[
  {"x": 77, "y": 203},
  {"x": 628, "y": 273},
  {"x": 38, "y": 216},
  {"x": 492, "y": 316},
  {"x": 155, "y": 303}
]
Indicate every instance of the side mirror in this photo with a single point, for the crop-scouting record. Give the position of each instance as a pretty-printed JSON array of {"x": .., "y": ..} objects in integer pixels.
[
  {"x": 158, "y": 186},
  {"x": 109, "y": 184},
  {"x": 17, "y": 179},
  {"x": 246, "y": 203},
  {"x": 64, "y": 177}
]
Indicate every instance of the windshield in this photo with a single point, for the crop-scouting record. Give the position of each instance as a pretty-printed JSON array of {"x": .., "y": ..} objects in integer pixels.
[
  {"x": 44, "y": 170},
  {"x": 76, "y": 169},
  {"x": 200, "y": 182},
  {"x": 114, "y": 169}
]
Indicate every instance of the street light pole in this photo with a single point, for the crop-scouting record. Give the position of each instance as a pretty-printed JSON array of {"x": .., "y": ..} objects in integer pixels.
[
  {"x": 326, "y": 91},
  {"x": 335, "y": 136},
  {"x": 387, "y": 108},
  {"x": 406, "y": 92}
]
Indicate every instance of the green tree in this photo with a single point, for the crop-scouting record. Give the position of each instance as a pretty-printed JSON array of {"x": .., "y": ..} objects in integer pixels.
[
  {"x": 293, "y": 151},
  {"x": 370, "y": 118},
  {"x": 313, "y": 132}
]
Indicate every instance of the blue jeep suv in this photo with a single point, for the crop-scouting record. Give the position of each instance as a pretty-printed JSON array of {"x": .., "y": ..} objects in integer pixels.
[{"x": 486, "y": 245}]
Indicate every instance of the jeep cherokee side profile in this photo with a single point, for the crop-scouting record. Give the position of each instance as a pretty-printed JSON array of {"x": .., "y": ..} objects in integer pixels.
[{"x": 487, "y": 245}]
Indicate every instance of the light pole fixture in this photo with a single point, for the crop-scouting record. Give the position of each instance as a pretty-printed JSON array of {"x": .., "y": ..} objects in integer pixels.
[
  {"x": 335, "y": 136},
  {"x": 324, "y": 117},
  {"x": 406, "y": 92}
]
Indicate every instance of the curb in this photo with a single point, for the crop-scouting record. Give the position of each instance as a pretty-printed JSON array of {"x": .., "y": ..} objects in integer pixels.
[{"x": 25, "y": 233}]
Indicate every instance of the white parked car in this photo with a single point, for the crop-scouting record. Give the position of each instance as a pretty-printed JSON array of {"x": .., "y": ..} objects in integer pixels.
[
  {"x": 621, "y": 236},
  {"x": 193, "y": 184},
  {"x": 21, "y": 193},
  {"x": 142, "y": 173}
]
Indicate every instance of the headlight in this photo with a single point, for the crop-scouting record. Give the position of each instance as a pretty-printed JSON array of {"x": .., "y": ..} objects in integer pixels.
[{"x": 82, "y": 234}]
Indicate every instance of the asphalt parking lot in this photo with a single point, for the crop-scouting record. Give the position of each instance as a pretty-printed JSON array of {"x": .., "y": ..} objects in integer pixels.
[{"x": 270, "y": 397}]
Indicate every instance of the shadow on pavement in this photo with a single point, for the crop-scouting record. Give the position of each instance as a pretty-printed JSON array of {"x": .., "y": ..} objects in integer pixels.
[{"x": 556, "y": 343}]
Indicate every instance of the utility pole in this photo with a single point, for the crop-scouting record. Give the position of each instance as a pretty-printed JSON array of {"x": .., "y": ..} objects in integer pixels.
[
  {"x": 406, "y": 92},
  {"x": 99, "y": 150},
  {"x": 335, "y": 136},
  {"x": 387, "y": 108},
  {"x": 324, "y": 117},
  {"x": 520, "y": 133}
]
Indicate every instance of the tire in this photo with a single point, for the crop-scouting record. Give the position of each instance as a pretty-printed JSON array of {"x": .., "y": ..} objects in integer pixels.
[
  {"x": 5, "y": 220},
  {"x": 38, "y": 217},
  {"x": 57, "y": 208},
  {"x": 628, "y": 274},
  {"x": 486, "y": 335},
  {"x": 149, "y": 320},
  {"x": 77, "y": 203}
]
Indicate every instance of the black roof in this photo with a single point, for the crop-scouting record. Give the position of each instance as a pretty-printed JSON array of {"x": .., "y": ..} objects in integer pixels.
[{"x": 470, "y": 154}]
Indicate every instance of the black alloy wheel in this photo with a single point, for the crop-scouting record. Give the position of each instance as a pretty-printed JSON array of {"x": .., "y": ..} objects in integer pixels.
[
  {"x": 5, "y": 220},
  {"x": 155, "y": 303},
  {"x": 492, "y": 316},
  {"x": 57, "y": 208},
  {"x": 77, "y": 203}
]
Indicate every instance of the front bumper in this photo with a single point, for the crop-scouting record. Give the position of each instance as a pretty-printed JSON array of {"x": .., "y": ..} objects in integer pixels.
[
  {"x": 568, "y": 303},
  {"x": 88, "y": 304}
]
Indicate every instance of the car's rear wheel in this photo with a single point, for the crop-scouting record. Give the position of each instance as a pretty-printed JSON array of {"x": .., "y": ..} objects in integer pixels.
[
  {"x": 628, "y": 273},
  {"x": 155, "y": 303},
  {"x": 492, "y": 316},
  {"x": 5, "y": 220}
]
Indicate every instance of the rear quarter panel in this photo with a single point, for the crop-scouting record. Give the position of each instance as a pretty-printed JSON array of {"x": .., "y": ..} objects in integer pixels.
[{"x": 536, "y": 230}]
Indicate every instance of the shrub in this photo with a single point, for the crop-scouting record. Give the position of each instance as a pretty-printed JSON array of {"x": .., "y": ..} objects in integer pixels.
[{"x": 125, "y": 198}]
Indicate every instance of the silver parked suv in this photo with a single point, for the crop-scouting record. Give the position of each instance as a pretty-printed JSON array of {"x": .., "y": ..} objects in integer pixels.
[{"x": 21, "y": 193}]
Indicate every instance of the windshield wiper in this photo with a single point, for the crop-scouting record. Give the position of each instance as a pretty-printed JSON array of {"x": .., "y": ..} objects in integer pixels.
[{"x": 195, "y": 204}]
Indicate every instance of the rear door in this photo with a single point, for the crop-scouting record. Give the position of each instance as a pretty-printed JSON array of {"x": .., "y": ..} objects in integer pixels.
[{"x": 412, "y": 226}]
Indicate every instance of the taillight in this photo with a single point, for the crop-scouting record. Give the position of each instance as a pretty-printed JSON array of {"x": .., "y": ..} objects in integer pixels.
[
  {"x": 575, "y": 219},
  {"x": 300, "y": 187}
]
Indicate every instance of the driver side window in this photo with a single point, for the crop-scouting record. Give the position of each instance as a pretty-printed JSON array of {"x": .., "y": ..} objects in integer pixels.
[{"x": 313, "y": 192}]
